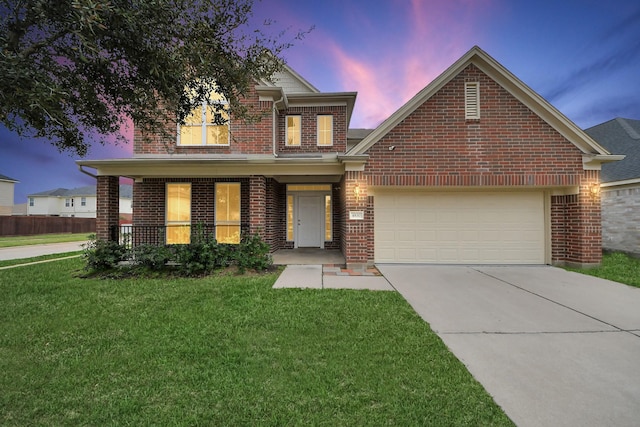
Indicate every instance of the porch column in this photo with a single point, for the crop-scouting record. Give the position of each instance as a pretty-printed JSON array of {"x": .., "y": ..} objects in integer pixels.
[
  {"x": 108, "y": 206},
  {"x": 258, "y": 205},
  {"x": 576, "y": 225},
  {"x": 358, "y": 222},
  {"x": 588, "y": 245}
]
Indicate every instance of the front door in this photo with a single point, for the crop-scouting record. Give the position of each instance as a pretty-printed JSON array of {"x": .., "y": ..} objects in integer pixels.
[{"x": 310, "y": 221}]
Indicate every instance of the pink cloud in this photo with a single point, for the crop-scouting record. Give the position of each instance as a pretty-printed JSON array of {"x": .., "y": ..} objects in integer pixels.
[{"x": 387, "y": 66}]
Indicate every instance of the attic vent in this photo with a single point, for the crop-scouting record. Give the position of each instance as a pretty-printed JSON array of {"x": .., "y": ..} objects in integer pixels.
[{"x": 472, "y": 100}]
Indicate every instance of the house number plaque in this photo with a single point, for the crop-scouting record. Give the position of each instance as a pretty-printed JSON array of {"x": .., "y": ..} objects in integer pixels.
[{"x": 357, "y": 215}]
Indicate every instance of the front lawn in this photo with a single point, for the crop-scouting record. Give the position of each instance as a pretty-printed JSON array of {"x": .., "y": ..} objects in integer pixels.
[
  {"x": 616, "y": 266},
  {"x": 41, "y": 239},
  {"x": 223, "y": 350}
]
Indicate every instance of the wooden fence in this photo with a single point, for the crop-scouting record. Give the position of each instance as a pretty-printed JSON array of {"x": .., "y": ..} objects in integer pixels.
[{"x": 30, "y": 225}]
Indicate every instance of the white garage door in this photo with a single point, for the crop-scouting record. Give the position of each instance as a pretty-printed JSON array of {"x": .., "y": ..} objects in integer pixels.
[{"x": 459, "y": 227}]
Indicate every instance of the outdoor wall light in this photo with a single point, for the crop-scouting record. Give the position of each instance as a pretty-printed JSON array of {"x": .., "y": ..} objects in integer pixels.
[
  {"x": 356, "y": 191},
  {"x": 594, "y": 190}
]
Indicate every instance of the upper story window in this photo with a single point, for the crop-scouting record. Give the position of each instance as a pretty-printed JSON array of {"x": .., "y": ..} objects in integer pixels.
[
  {"x": 68, "y": 203},
  {"x": 83, "y": 201},
  {"x": 199, "y": 128},
  {"x": 32, "y": 201},
  {"x": 325, "y": 130},
  {"x": 294, "y": 131}
]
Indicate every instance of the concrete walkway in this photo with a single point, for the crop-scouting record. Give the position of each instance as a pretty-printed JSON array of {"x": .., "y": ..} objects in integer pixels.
[
  {"x": 553, "y": 348},
  {"x": 30, "y": 251},
  {"x": 329, "y": 277}
]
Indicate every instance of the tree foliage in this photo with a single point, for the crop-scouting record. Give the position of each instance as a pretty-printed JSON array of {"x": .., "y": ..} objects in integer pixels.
[{"x": 71, "y": 69}]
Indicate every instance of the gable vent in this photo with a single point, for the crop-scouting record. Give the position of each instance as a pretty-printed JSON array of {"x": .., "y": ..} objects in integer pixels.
[{"x": 472, "y": 100}]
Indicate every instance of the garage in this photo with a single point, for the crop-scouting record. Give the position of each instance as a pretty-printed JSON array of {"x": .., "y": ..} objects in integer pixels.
[{"x": 459, "y": 227}]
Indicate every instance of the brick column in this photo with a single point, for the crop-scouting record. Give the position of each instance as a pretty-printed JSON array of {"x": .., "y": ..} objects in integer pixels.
[
  {"x": 576, "y": 225},
  {"x": 257, "y": 205},
  {"x": 590, "y": 229},
  {"x": 108, "y": 206},
  {"x": 358, "y": 233}
]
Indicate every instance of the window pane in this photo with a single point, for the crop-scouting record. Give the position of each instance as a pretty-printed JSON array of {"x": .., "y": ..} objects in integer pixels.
[
  {"x": 290, "y": 218},
  {"x": 178, "y": 202},
  {"x": 178, "y": 234},
  {"x": 327, "y": 218},
  {"x": 228, "y": 234},
  {"x": 195, "y": 118},
  {"x": 227, "y": 213},
  {"x": 190, "y": 135},
  {"x": 294, "y": 130},
  {"x": 325, "y": 130},
  {"x": 217, "y": 134},
  {"x": 309, "y": 187}
]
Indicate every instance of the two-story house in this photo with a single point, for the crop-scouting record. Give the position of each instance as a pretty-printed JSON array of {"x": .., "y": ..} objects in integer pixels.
[
  {"x": 80, "y": 202},
  {"x": 6, "y": 194},
  {"x": 475, "y": 168}
]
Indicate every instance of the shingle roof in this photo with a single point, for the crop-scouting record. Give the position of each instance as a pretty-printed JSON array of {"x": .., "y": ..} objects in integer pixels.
[
  {"x": 6, "y": 178},
  {"x": 126, "y": 192},
  {"x": 619, "y": 136}
]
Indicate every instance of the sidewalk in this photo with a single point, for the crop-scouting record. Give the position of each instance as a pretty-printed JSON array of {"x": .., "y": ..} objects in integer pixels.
[
  {"x": 30, "y": 251},
  {"x": 331, "y": 277}
]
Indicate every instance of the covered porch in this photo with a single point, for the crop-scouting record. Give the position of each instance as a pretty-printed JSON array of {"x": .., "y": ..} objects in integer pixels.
[{"x": 308, "y": 256}]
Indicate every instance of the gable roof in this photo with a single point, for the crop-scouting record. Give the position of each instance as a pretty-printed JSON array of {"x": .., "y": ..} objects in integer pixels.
[
  {"x": 126, "y": 192},
  {"x": 290, "y": 81},
  {"x": 620, "y": 136},
  {"x": 7, "y": 179},
  {"x": 508, "y": 81}
]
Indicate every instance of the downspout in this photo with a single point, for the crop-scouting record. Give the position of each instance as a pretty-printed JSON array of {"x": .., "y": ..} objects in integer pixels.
[{"x": 273, "y": 124}]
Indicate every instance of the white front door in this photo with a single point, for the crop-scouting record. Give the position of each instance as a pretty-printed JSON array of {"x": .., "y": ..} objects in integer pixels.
[{"x": 309, "y": 224}]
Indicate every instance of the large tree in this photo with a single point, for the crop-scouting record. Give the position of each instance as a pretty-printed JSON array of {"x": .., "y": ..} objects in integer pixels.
[{"x": 73, "y": 69}]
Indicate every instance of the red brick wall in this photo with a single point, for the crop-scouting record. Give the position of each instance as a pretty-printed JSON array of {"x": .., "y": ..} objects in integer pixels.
[
  {"x": 509, "y": 145},
  {"x": 108, "y": 206},
  {"x": 149, "y": 200},
  {"x": 253, "y": 138},
  {"x": 309, "y": 141},
  {"x": 358, "y": 241}
]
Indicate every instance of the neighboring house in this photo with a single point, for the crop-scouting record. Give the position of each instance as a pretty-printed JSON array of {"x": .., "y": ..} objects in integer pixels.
[
  {"x": 78, "y": 202},
  {"x": 620, "y": 193},
  {"x": 6, "y": 194},
  {"x": 476, "y": 168}
]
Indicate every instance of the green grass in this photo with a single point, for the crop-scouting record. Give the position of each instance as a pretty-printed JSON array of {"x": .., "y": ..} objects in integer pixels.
[
  {"x": 40, "y": 239},
  {"x": 223, "y": 350},
  {"x": 616, "y": 266},
  {"x": 10, "y": 262}
]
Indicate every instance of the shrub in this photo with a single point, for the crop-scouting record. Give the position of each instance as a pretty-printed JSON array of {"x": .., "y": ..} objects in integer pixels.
[
  {"x": 253, "y": 253},
  {"x": 101, "y": 255},
  {"x": 152, "y": 257}
]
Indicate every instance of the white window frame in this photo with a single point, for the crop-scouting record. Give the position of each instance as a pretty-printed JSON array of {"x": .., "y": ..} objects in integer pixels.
[
  {"x": 318, "y": 130},
  {"x": 83, "y": 201},
  {"x": 298, "y": 133},
  {"x": 204, "y": 125},
  {"x": 32, "y": 201}
]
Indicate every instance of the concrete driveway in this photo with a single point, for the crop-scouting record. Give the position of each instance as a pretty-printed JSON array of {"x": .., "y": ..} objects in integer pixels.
[{"x": 553, "y": 348}]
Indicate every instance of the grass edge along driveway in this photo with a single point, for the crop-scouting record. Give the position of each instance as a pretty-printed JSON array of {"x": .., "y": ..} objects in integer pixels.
[{"x": 221, "y": 351}]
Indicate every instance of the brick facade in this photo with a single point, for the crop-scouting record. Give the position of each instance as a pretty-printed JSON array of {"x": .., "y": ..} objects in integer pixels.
[
  {"x": 108, "y": 206},
  {"x": 621, "y": 219},
  {"x": 434, "y": 147},
  {"x": 509, "y": 146}
]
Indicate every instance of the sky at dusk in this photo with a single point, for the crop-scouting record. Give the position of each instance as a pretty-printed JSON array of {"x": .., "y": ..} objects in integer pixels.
[{"x": 583, "y": 56}]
